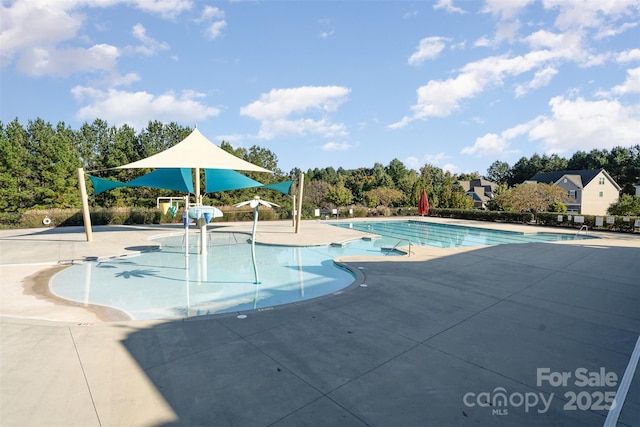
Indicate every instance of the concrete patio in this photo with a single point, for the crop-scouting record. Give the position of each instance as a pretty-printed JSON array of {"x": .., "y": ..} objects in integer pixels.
[{"x": 510, "y": 335}]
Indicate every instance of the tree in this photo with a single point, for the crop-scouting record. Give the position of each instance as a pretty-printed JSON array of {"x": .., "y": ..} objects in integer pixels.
[
  {"x": 14, "y": 168},
  {"x": 626, "y": 205},
  {"x": 52, "y": 163},
  {"x": 381, "y": 177},
  {"x": 383, "y": 196},
  {"x": 499, "y": 172},
  {"x": 532, "y": 198},
  {"x": 315, "y": 192},
  {"x": 397, "y": 171},
  {"x": 469, "y": 176},
  {"x": 360, "y": 181},
  {"x": 451, "y": 196},
  {"x": 267, "y": 159},
  {"x": 339, "y": 195},
  {"x": 523, "y": 170},
  {"x": 493, "y": 204}
]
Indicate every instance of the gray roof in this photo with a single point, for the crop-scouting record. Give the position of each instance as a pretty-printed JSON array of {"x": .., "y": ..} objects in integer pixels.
[{"x": 551, "y": 177}]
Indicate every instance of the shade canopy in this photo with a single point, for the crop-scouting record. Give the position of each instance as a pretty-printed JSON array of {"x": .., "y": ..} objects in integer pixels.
[
  {"x": 195, "y": 151},
  {"x": 179, "y": 179}
]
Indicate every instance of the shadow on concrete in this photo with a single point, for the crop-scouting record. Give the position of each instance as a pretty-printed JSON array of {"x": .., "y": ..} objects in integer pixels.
[{"x": 457, "y": 340}]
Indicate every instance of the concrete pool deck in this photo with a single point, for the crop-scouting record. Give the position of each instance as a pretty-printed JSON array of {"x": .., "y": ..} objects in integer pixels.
[{"x": 544, "y": 331}]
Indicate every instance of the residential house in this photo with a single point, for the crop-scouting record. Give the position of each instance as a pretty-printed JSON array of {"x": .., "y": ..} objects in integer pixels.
[
  {"x": 480, "y": 190},
  {"x": 590, "y": 192}
]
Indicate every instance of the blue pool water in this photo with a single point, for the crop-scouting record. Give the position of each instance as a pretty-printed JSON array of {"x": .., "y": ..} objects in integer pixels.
[
  {"x": 447, "y": 236},
  {"x": 164, "y": 284}
]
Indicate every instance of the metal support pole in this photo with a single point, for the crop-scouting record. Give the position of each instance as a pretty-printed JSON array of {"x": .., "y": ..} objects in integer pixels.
[
  {"x": 300, "y": 185},
  {"x": 85, "y": 205},
  {"x": 294, "y": 212}
]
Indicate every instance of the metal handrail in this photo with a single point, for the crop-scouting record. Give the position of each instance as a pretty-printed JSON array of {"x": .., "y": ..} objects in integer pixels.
[
  {"x": 398, "y": 244},
  {"x": 586, "y": 231}
]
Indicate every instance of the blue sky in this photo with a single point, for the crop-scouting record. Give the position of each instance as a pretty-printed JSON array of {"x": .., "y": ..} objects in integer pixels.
[{"x": 455, "y": 84}]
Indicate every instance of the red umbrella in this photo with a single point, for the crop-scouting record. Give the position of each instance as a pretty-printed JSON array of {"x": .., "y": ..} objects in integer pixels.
[{"x": 423, "y": 204}]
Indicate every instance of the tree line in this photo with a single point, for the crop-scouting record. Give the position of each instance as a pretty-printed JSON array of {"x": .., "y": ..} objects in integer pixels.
[{"x": 39, "y": 161}]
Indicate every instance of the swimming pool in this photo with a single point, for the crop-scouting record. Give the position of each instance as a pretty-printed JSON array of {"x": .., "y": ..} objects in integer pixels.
[
  {"x": 164, "y": 284},
  {"x": 422, "y": 233}
]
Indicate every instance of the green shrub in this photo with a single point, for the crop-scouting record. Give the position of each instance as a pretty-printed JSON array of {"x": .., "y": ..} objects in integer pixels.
[
  {"x": 130, "y": 216},
  {"x": 618, "y": 223}
]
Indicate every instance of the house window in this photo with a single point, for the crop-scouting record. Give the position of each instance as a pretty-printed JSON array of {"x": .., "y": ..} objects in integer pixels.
[
  {"x": 601, "y": 181},
  {"x": 572, "y": 193},
  {"x": 601, "y": 194}
]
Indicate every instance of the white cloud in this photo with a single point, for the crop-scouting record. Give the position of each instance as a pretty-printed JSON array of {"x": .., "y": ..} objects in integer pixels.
[
  {"x": 138, "y": 108},
  {"x": 630, "y": 85},
  {"x": 272, "y": 128},
  {"x": 149, "y": 46},
  {"x": 428, "y": 159},
  {"x": 588, "y": 14},
  {"x": 507, "y": 30},
  {"x": 429, "y": 48},
  {"x": 411, "y": 14},
  {"x": 275, "y": 110},
  {"x": 505, "y": 9},
  {"x": 211, "y": 13},
  {"x": 440, "y": 98},
  {"x": 489, "y": 145},
  {"x": 214, "y": 20},
  {"x": 584, "y": 125},
  {"x": 611, "y": 32},
  {"x": 451, "y": 168},
  {"x": 33, "y": 34},
  {"x": 412, "y": 163},
  {"x": 628, "y": 55},
  {"x": 482, "y": 42},
  {"x": 282, "y": 102},
  {"x": 541, "y": 78},
  {"x": 448, "y": 6},
  {"x": 63, "y": 62},
  {"x": 326, "y": 34},
  {"x": 214, "y": 30},
  {"x": 116, "y": 79},
  {"x": 29, "y": 27},
  {"x": 436, "y": 159},
  {"x": 571, "y": 125},
  {"x": 166, "y": 8},
  {"x": 494, "y": 145},
  {"x": 327, "y": 30},
  {"x": 336, "y": 146}
]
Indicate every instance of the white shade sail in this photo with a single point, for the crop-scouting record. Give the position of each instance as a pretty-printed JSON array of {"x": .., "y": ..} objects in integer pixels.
[{"x": 195, "y": 151}]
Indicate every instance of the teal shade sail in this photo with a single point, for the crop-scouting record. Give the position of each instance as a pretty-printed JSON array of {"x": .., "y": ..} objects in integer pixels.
[
  {"x": 100, "y": 185},
  {"x": 177, "y": 179},
  {"x": 282, "y": 187},
  {"x": 227, "y": 179}
]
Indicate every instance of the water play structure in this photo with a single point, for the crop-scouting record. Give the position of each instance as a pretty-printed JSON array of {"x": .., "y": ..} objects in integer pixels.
[{"x": 177, "y": 167}]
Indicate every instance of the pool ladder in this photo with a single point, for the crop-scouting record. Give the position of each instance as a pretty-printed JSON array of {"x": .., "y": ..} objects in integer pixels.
[
  {"x": 586, "y": 231},
  {"x": 398, "y": 244}
]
